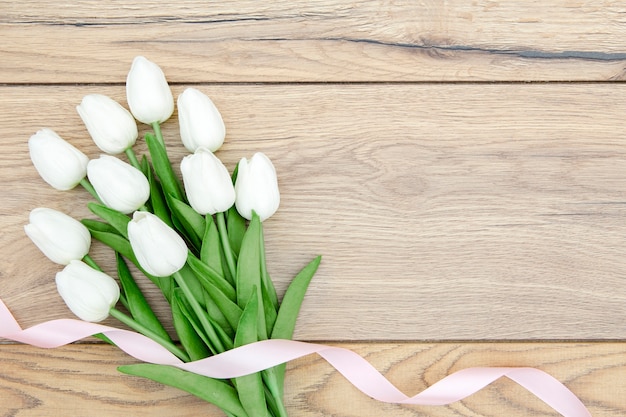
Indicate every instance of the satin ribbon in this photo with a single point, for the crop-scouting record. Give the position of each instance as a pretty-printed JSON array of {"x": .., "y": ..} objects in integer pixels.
[{"x": 268, "y": 353}]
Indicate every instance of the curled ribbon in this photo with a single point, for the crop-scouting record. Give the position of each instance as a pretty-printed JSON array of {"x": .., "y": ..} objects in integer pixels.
[{"x": 265, "y": 354}]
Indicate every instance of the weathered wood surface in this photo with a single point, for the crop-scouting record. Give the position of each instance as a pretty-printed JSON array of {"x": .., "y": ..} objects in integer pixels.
[
  {"x": 321, "y": 40},
  {"x": 79, "y": 379},
  {"x": 447, "y": 208}
]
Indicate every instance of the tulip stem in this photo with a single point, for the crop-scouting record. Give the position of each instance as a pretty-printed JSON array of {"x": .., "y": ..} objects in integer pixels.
[
  {"x": 132, "y": 158},
  {"x": 130, "y": 322},
  {"x": 228, "y": 252},
  {"x": 217, "y": 347},
  {"x": 87, "y": 186},
  {"x": 156, "y": 126},
  {"x": 267, "y": 281}
]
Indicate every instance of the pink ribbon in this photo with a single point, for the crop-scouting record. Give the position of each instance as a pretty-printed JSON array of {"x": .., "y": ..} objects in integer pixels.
[{"x": 268, "y": 353}]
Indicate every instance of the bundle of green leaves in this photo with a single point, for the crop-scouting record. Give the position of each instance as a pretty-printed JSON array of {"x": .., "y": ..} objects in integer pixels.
[{"x": 209, "y": 263}]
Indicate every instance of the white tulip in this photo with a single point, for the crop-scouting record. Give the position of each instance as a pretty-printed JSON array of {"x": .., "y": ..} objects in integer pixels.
[
  {"x": 158, "y": 248},
  {"x": 147, "y": 92},
  {"x": 60, "y": 164},
  {"x": 90, "y": 294},
  {"x": 257, "y": 187},
  {"x": 119, "y": 185},
  {"x": 60, "y": 237},
  {"x": 110, "y": 125},
  {"x": 201, "y": 124},
  {"x": 207, "y": 182}
]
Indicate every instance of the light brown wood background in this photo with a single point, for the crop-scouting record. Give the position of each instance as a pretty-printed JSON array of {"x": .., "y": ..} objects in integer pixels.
[{"x": 461, "y": 166}]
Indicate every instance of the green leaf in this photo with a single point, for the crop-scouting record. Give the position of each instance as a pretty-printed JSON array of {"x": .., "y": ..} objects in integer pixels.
[
  {"x": 205, "y": 274},
  {"x": 209, "y": 328},
  {"x": 186, "y": 330},
  {"x": 98, "y": 226},
  {"x": 163, "y": 167},
  {"x": 118, "y": 220},
  {"x": 218, "y": 341},
  {"x": 193, "y": 224},
  {"x": 234, "y": 175},
  {"x": 288, "y": 312},
  {"x": 218, "y": 317},
  {"x": 214, "y": 391},
  {"x": 250, "y": 387},
  {"x": 290, "y": 306},
  {"x": 211, "y": 251},
  {"x": 230, "y": 309},
  {"x": 269, "y": 310},
  {"x": 236, "y": 229},
  {"x": 157, "y": 198},
  {"x": 194, "y": 284},
  {"x": 146, "y": 168},
  {"x": 227, "y": 341},
  {"x": 249, "y": 272},
  {"x": 246, "y": 329},
  {"x": 111, "y": 237},
  {"x": 188, "y": 312},
  {"x": 139, "y": 308}
]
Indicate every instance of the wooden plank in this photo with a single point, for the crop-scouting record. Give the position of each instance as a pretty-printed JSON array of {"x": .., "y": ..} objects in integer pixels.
[
  {"x": 443, "y": 212},
  {"x": 77, "y": 379},
  {"x": 283, "y": 41}
]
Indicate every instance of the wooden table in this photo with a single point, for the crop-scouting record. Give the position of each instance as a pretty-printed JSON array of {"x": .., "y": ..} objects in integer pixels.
[{"x": 460, "y": 165}]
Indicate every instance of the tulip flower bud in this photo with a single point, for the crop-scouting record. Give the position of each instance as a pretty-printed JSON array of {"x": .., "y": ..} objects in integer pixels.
[
  {"x": 60, "y": 237},
  {"x": 257, "y": 187},
  {"x": 119, "y": 185},
  {"x": 201, "y": 124},
  {"x": 147, "y": 92},
  {"x": 110, "y": 125},
  {"x": 90, "y": 294},
  {"x": 158, "y": 248},
  {"x": 60, "y": 164},
  {"x": 207, "y": 182}
]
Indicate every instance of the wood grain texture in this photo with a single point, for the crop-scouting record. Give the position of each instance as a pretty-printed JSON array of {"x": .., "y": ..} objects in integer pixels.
[
  {"x": 284, "y": 41},
  {"x": 447, "y": 208},
  {"x": 77, "y": 379},
  {"x": 443, "y": 212}
]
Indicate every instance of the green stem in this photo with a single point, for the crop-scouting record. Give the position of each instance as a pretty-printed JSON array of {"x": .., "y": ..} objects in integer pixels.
[
  {"x": 162, "y": 164},
  {"x": 132, "y": 158},
  {"x": 149, "y": 333},
  {"x": 87, "y": 186},
  {"x": 228, "y": 252},
  {"x": 156, "y": 126},
  {"x": 217, "y": 347}
]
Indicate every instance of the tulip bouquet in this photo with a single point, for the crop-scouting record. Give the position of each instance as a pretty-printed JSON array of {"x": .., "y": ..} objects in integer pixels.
[{"x": 200, "y": 241}]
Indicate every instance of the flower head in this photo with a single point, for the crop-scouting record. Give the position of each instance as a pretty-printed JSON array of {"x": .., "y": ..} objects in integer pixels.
[
  {"x": 147, "y": 92},
  {"x": 59, "y": 163},
  {"x": 110, "y": 125},
  {"x": 207, "y": 182},
  {"x": 158, "y": 248},
  {"x": 257, "y": 187},
  {"x": 60, "y": 237},
  {"x": 119, "y": 185},
  {"x": 201, "y": 124},
  {"x": 90, "y": 294}
]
